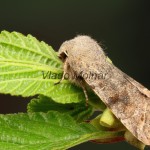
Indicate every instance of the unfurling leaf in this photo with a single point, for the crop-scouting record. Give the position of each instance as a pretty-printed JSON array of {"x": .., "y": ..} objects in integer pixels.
[{"x": 79, "y": 111}]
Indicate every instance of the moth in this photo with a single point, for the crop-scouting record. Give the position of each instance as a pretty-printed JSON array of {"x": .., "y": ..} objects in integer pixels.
[{"x": 128, "y": 100}]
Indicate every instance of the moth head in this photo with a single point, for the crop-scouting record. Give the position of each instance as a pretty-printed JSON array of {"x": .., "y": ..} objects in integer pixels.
[
  {"x": 64, "y": 50},
  {"x": 81, "y": 47}
]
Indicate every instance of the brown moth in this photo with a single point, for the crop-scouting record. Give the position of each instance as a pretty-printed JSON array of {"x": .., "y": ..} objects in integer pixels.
[{"x": 128, "y": 100}]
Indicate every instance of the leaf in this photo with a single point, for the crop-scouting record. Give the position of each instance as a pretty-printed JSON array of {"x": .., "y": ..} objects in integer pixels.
[
  {"x": 29, "y": 67},
  {"x": 79, "y": 111},
  {"x": 44, "y": 131}
]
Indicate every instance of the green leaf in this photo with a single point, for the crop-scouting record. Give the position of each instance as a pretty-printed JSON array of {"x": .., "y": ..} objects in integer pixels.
[
  {"x": 29, "y": 67},
  {"x": 79, "y": 111},
  {"x": 45, "y": 131}
]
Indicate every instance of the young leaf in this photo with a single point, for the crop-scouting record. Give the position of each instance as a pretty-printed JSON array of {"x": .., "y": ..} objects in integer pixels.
[
  {"x": 79, "y": 111},
  {"x": 29, "y": 67},
  {"x": 45, "y": 131}
]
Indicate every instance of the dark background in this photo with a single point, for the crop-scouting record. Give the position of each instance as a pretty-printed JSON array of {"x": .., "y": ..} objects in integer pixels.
[{"x": 121, "y": 26}]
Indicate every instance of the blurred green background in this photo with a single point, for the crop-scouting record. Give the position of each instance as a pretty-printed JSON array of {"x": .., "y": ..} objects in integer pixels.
[{"x": 121, "y": 26}]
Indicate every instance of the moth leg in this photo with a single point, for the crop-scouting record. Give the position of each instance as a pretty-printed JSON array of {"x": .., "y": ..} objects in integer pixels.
[
  {"x": 63, "y": 76},
  {"x": 85, "y": 93}
]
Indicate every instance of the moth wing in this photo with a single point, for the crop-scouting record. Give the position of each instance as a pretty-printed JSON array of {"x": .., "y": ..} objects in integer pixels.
[
  {"x": 127, "y": 99},
  {"x": 140, "y": 87}
]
